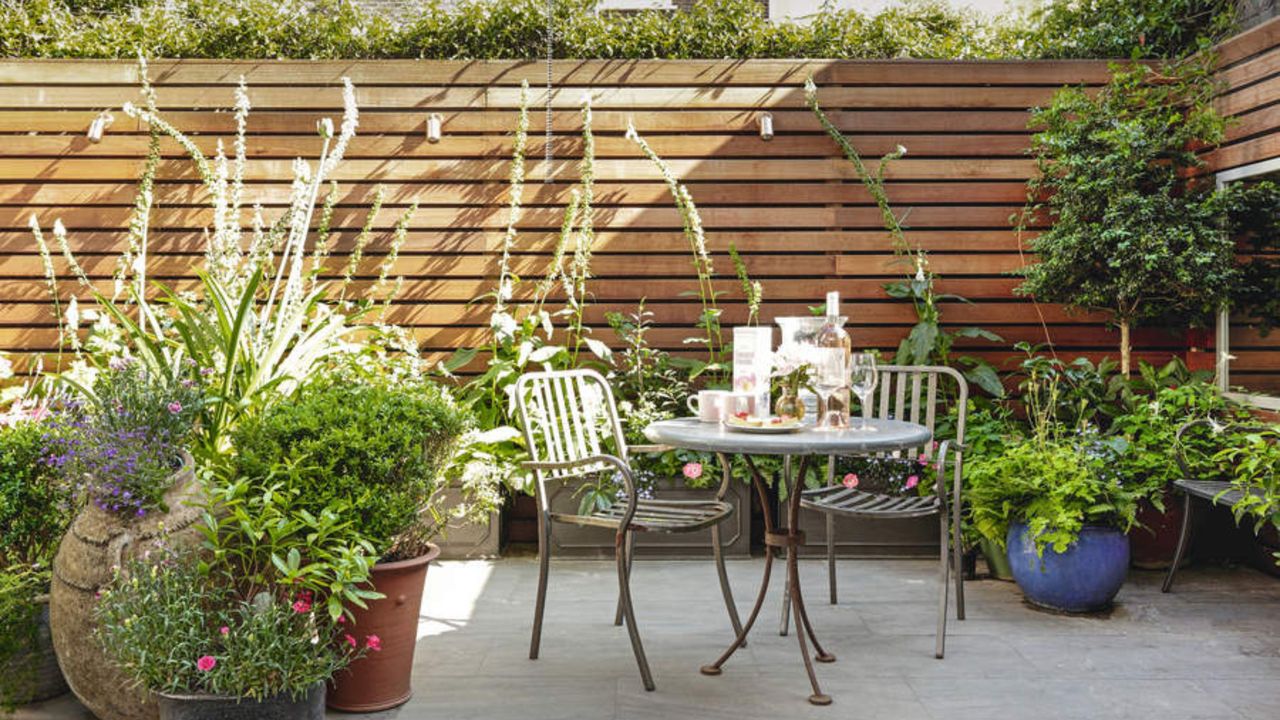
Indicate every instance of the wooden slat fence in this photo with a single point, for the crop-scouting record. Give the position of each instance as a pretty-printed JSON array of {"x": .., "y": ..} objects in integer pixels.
[
  {"x": 792, "y": 205},
  {"x": 1250, "y": 73}
]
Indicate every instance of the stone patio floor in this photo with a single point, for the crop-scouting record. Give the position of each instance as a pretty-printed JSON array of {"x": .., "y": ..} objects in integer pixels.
[{"x": 1209, "y": 650}]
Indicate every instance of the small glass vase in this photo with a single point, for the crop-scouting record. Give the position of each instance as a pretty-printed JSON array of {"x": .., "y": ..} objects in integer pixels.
[{"x": 790, "y": 405}]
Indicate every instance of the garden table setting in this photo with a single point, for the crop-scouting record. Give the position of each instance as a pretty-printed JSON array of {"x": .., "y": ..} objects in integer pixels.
[{"x": 806, "y": 443}]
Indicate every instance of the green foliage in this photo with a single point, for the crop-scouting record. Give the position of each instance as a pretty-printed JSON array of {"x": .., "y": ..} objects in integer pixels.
[
  {"x": 1131, "y": 234},
  {"x": 1253, "y": 221},
  {"x": 160, "y": 620},
  {"x": 35, "y": 510},
  {"x": 374, "y": 450},
  {"x": 1124, "y": 28},
  {"x": 481, "y": 29},
  {"x": 1148, "y": 465},
  {"x": 1255, "y": 459},
  {"x": 20, "y": 585},
  {"x": 1055, "y": 487}
]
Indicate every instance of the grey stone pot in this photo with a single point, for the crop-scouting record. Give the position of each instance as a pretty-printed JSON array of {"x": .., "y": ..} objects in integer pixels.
[{"x": 221, "y": 707}]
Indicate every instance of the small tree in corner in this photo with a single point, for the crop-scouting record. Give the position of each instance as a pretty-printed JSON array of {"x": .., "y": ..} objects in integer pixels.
[{"x": 1135, "y": 228}]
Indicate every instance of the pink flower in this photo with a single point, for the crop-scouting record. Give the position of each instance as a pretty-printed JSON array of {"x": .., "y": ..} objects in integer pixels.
[
  {"x": 923, "y": 459},
  {"x": 224, "y": 630},
  {"x": 374, "y": 643},
  {"x": 206, "y": 663},
  {"x": 351, "y": 639},
  {"x": 851, "y": 480},
  {"x": 175, "y": 407},
  {"x": 302, "y": 605},
  {"x": 692, "y": 470},
  {"x": 342, "y": 619},
  {"x": 913, "y": 481}
]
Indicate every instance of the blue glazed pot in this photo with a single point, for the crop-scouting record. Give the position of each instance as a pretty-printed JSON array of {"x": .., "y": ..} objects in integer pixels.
[{"x": 1084, "y": 578}]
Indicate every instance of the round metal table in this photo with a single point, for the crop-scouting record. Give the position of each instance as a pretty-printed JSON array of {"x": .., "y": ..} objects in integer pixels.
[{"x": 692, "y": 434}]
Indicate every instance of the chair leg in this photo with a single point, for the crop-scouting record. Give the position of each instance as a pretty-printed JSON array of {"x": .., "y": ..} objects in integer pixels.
[
  {"x": 1183, "y": 541},
  {"x": 725, "y": 589},
  {"x": 544, "y": 566},
  {"x": 943, "y": 586},
  {"x": 631, "y": 548},
  {"x": 957, "y": 556},
  {"x": 831, "y": 556},
  {"x": 628, "y": 611}
]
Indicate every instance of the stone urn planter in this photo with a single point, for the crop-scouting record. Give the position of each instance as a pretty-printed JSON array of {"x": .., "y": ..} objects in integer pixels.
[
  {"x": 96, "y": 544},
  {"x": 221, "y": 707},
  {"x": 381, "y": 680},
  {"x": 1085, "y": 578}
]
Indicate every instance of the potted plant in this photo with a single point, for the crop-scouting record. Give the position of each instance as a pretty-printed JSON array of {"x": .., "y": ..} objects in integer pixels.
[
  {"x": 1255, "y": 459},
  {"x": 1055, "y": 502},
  {"x": 34, "y": 513},
  {"x": 186, "y": 631},
  {"x": 376, "y": 448},
  {"x": 118, "y": 444},
  {"x": 1148, "y": 465}
]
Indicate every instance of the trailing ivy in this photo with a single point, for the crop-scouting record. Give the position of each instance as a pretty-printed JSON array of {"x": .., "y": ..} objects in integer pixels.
[{"x": 515, "y": 29}]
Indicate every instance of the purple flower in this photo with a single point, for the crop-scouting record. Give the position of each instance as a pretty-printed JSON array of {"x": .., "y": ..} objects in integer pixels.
[{"x": 175, "y": 407}]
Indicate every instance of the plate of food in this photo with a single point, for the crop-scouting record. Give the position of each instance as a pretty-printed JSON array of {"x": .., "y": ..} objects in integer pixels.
[{"x": 743, "y": 422}]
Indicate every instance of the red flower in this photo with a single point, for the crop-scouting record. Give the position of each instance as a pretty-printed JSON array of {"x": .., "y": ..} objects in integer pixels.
[
  {"x": 374, "y": 643},
  {"x": 301, "y": 606}
]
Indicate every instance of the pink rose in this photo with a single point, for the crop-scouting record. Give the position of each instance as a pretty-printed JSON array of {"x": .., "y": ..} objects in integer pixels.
[
  {"x": 175, "y": 407},
  {"x": 851, "y": 480},
  {"x": 374, "y": 643},
  {"x": 224, "y": 630},
  {"x": 692, "y": 470},
  {"x": 913, "y": 481},
  {"x": 206, "y": 663}
]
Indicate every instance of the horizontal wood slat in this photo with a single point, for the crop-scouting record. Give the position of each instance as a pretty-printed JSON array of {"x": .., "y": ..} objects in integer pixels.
[
  {"x": 1250, "y": 72},
  {"x": 791, "y": 205}
]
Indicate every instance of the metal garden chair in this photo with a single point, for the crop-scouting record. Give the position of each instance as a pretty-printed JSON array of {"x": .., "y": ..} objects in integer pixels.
[
  {"x": 915, "y": 394},
  {"x": 569, "y": 421},
  {"x": 1215, "y": 492}
]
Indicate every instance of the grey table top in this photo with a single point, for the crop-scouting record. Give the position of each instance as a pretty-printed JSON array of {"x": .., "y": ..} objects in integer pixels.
[{"x": 692, "y": 434}]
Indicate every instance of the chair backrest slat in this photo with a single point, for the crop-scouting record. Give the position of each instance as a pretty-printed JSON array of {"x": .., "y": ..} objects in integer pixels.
[
  {"x": 921, "y": 402},
  {"x": 567, "y": 416}
]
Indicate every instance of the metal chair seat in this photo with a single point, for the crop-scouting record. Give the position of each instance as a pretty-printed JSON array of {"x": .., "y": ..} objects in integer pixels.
[
  {"x": 841, "y": 500},
  {"x": 665, "y": 516},
  {"x": 1219, "y": 492}
]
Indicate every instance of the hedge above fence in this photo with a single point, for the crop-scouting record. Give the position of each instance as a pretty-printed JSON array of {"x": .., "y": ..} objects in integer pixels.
[{"x": 516, "y": 29}]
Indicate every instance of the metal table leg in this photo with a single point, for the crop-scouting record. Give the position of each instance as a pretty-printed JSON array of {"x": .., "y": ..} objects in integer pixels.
[{"x": 791, "y": 539}]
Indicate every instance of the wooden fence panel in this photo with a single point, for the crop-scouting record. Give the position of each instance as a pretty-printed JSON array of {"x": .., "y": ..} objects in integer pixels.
[{"x": 792, "y": 205}]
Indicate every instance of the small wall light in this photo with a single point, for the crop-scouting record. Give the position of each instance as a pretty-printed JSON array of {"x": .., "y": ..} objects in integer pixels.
[
  {"x": 99, "y": 126},
  {"x": 435, "y": 127},
  {"x": 766, "y": 126}
]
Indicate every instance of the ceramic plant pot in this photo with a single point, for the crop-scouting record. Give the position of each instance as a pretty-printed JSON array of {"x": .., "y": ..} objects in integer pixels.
[
  {"x": 222, "y": 707},
  {"x": 381, "y": 680},
  {"x": 1084, "y": 578}
]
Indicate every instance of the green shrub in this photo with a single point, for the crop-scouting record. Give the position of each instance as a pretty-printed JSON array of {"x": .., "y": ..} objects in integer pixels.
[
  {"x": 515, "y": 29},
  {"x": 34, "y": 509},
  {"x": 374, "y": 449}
]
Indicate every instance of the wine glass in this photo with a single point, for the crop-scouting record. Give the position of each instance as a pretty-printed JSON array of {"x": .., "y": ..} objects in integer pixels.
[
  {"x": 829, "y": 376},
  {"x": 863, "y": 376}
]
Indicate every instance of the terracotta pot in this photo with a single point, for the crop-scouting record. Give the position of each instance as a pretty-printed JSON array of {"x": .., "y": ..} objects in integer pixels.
[
  {"x": 381, "y": 680},
  {"x": 222, "y": 707},
  {"x": 1154, "y": 540},
  {"x": 97, "y": 542}
]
